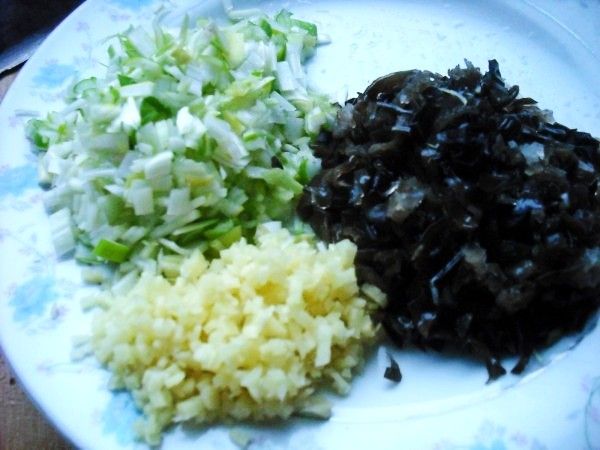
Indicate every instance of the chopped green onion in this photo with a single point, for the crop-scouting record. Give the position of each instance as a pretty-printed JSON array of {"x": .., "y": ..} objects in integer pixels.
[
  {"x": 152, "y": 110},
  {"x": 111, "y": 251},
  {"x": 219, "y": 230},
  {"x": 190, "y": 140}
]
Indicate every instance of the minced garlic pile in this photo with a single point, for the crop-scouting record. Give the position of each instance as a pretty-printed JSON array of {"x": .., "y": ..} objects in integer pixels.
[{"x": 251, "y": 335}]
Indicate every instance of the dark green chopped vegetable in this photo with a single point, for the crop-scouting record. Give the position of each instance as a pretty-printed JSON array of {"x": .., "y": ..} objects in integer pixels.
[
  {"x": 153, "y": 110},
  {"x": 475, "y": 213},
  {"x": 124, "y": 80}
]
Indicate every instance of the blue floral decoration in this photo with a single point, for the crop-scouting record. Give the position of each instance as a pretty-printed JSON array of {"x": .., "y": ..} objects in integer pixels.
[
  {"x": 53, "y": 75},
  {"x": 496, "y": 444},
  {"x": 132, "y": 4},
  {"x": 119, "y": 417},
  {"x": 17, "y": 180},
  {"x": 30, "y": 299}
]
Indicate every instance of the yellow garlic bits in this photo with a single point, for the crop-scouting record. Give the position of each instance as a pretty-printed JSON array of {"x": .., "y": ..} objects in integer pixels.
[{"x": 251, "y": 335}]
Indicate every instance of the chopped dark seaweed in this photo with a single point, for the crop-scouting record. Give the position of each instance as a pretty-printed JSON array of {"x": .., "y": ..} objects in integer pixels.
[
  {"x": 478, "y": 216},
  {"x": 392, "y": 372}
]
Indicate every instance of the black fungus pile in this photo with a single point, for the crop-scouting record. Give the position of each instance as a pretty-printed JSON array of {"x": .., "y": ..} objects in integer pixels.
[{"x": 478, "y": 216}]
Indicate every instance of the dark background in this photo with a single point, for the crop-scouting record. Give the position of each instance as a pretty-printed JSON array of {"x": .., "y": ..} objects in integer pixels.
[{"x": 20, "y": 19}]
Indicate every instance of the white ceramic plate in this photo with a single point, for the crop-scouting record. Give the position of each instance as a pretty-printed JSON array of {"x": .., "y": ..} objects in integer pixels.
[{"x": 550, "y": 48}]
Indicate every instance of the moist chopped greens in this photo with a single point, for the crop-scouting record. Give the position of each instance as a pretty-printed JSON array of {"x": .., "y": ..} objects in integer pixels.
[
  {"x": 476, "y": 214},
  {"x": 190, "y": 140}
]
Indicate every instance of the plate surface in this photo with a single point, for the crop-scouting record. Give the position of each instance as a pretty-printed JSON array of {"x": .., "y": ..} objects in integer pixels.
[{"x": 549, "y": 48}]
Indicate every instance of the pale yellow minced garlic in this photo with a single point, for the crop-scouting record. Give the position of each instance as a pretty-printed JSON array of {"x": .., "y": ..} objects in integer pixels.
[{"x": 251, "y": 335}]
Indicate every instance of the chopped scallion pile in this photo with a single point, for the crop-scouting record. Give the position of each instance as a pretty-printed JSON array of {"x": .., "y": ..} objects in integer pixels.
[{"x": 190, "y": 140}]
